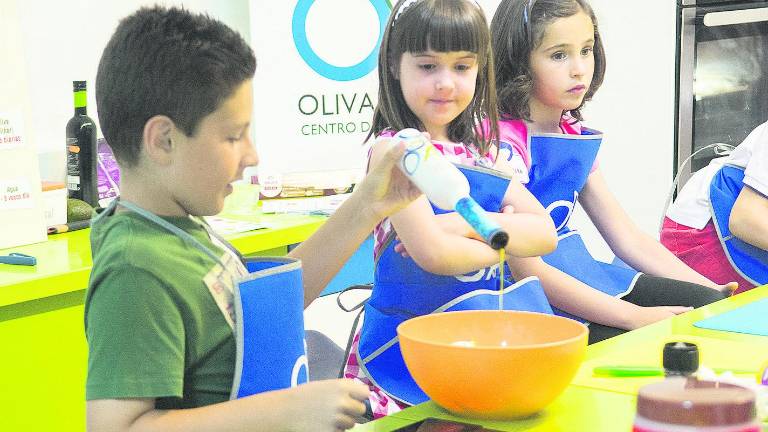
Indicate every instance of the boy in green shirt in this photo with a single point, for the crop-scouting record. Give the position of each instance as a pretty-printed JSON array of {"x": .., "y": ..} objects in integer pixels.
[{"x": 174, "y": 98}]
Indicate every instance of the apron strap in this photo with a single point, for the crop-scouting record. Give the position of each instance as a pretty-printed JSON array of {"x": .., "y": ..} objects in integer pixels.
[
  {"x": 170, "y": 227},
  {"x": 353, "y": 330},
  {"x": 223, "y": 298}
]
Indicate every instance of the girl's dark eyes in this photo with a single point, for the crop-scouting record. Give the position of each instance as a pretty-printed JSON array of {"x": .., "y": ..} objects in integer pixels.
[
  {"x": 459, "y": 67},
  {"x": 559, "y": 56}
]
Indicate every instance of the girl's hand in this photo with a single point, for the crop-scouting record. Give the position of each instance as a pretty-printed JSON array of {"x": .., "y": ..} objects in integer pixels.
[
  {"x": 643, "y": 316},
  {"x": 728, "y": 288},
  {"x": 400, "y": 248},
  {"x": 331, "y": 405},
  {"x": 447, "y": 224}
]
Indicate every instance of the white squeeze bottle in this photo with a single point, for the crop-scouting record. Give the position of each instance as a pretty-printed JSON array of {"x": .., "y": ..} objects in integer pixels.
[{"x": 445, "y": 186}]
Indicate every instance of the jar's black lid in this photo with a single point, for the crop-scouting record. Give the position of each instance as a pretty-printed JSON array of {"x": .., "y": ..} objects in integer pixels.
[
  {"x": 78, "y": 85},
  {"x": 681, "y": 358}
]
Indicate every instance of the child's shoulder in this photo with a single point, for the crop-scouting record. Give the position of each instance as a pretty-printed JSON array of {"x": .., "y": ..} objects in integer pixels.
[
  {"x": 757, "y": 139},
  {"x": 513, "y": 138},
  {"x": 128, "y": 239},
  {"x": 513, "y": 131},
  {"x": 121, "y": 227},
  {"x": 128, "y": 249}
]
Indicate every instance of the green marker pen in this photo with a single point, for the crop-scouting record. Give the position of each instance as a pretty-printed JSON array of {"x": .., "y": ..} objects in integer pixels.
[
  {"x": 627, "y": 371},
  {"x": 647, "y": 371}
]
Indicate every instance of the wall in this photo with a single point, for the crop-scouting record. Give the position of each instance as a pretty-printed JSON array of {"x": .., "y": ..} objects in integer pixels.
[
  {"x": 635, "y": 110},
  {"x": 63, "y": 40},
  {"x": 634, "y": 107}
]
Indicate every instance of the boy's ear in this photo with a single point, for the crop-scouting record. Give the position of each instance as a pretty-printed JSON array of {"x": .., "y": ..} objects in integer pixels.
[{"x": 156, "y": 142}]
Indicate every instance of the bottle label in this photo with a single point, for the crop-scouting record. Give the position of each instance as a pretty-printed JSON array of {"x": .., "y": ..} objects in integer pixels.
[
  {"x": 73, "y": 165},
  {"x": 73, "y": 182}
]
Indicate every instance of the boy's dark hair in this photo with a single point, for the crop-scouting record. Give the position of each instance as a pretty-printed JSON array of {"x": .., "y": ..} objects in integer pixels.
[
  {"x": 166, "y": 61},
  {"x": 517, "y": 28},
  {"x": 441, "y": 26}
]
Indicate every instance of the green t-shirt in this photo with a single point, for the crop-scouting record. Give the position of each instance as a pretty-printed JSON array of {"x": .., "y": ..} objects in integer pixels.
[{"x": 153, "y": 327}]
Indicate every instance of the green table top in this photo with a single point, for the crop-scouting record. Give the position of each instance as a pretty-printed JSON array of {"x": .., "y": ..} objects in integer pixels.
[
  {"x": 598, "y": 404},
  {"x": 643, "y": 347},
  {"x": 576, "y": 409},
  {"x": 64, "y": 261}
]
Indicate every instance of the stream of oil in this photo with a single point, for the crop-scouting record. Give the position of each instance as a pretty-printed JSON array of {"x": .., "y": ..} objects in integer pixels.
[{"x": 501, "y": 279}]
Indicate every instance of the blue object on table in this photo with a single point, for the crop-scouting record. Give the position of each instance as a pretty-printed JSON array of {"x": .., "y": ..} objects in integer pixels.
[
  {"x": 749, "y": 319},
  {"x": 18, "y": 259},
  {"x": 357, "y": 271}
]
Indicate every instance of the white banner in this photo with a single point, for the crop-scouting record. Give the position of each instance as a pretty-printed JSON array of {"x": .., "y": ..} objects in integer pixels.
[{"x": 316, "y": 82}]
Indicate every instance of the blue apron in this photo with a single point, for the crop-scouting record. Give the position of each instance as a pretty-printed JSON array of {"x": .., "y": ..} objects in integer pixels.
[
  {"x": 271, "y": 347},
  {"x": 560, "y": 165},
  {"x": 268, "y": 315},
  {"x": 749, "y": 261},
  {"x": 402, "y": 290}
]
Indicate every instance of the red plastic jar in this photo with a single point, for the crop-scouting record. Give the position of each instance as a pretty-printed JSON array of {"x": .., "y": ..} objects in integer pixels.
[{"x": 690, "y": 405}]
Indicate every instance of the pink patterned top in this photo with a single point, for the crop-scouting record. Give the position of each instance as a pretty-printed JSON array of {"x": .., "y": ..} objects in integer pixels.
[{"x": 456, "y": 153}]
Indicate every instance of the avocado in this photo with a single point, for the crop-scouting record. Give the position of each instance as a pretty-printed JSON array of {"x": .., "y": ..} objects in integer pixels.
[{"x": 78, "y": 210}]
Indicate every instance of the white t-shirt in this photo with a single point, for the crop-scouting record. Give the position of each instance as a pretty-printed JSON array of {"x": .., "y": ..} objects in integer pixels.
[{"x": 691, "y": 207}]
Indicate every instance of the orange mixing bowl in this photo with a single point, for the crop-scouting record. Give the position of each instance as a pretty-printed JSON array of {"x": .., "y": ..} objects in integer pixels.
[{"x": 492, "y": 364}]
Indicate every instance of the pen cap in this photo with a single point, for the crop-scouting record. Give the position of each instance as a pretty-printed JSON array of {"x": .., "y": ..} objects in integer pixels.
[{"x": 680, "y": 358}]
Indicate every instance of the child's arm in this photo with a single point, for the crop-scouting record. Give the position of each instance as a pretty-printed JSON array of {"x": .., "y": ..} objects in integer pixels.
[
  {"x": 749, "y": 218},
  {"x": 384, "y": 191},
  {"x": 573, "y": 296},
  {"x": 627, "y": 241},
  {"x": 448, "y": 252},
  {"x": 531, "y": 230},
  {"x": 316, "y": 406}
]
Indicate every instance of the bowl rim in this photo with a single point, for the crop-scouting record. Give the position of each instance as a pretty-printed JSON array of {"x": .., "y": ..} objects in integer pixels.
[{"x": 583, "y": 334}]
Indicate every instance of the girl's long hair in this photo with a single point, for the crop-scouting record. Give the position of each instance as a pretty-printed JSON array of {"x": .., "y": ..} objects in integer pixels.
[
  {"x": 517, "y": 28},
  {"x": 441, "y": 26}
]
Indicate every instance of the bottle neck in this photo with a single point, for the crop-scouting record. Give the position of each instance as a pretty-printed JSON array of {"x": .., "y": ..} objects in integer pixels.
[{"x": 80, "y": 103}]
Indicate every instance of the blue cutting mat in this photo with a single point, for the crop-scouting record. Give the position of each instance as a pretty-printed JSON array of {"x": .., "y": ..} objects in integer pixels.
[{"x": 749, "y": 319}]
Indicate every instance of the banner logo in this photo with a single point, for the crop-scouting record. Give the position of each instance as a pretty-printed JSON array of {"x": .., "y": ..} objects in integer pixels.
[{"x": 333, "y": 72}]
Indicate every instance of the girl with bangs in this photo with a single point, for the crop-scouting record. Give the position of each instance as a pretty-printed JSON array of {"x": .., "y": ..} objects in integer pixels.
[
  {"x": 436, "y": 75},
  {"x": 549, "y": 61}
]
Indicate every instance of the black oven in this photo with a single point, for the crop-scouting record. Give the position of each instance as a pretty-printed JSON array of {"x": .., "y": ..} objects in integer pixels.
[{"x": 722, "y": 77}]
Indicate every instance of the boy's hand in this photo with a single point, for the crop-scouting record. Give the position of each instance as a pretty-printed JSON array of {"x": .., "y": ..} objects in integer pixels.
[
  {"x": 386, "y": 187},
  {"x": 331, "y": 405}
]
